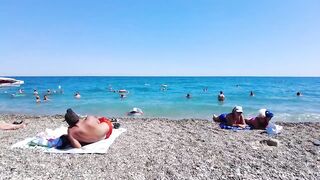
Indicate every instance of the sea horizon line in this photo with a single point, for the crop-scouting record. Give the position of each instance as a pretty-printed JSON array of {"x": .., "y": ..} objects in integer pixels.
[{"x": 161, "y": 76}]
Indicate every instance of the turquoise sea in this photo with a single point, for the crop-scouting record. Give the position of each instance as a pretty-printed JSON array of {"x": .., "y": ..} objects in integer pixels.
[{"x": 275, "y": 93}]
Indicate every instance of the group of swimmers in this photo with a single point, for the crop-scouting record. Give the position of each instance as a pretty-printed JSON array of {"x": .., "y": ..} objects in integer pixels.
[
  {"x": 46, "y": 95},
  {"x": 237, "y": 119},
  {"x": 221, "y": 96}
]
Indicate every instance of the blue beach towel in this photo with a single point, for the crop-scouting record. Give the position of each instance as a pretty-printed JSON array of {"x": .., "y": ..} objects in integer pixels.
[{"x": 234, "y": 128}]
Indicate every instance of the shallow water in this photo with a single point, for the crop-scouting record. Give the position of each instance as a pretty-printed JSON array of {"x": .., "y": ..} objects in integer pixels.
[{"x": 275, "y": 93}]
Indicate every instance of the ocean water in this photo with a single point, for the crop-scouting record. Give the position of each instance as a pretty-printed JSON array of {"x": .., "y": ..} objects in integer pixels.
[{"x": 275, "y": 93}]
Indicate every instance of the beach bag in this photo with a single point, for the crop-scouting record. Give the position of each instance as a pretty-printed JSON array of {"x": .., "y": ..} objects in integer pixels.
[{"x": 273, "y": 129}]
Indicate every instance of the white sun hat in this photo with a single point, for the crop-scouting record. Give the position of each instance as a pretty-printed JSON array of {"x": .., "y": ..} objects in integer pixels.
[{"x": 237, "y": 109}]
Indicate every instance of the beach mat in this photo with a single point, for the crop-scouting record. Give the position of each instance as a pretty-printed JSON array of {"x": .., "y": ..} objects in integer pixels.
[
  {"x": 99, "y": 147},
  {"x": 233, "y": 128}
]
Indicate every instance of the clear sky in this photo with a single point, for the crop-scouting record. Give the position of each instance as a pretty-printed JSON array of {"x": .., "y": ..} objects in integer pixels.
[{"x": 160, "y": 37}]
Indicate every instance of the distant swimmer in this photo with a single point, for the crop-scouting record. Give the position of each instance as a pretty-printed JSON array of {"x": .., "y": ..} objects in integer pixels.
[
  {"x": 35, "y": 92},
  {"x": 48, "y": 92},
  {"x": 77, "y": 95},
  {"x": 122, "y": 96},
  {"x": 221, "y": 96},
  {"x": 188, "y": 96},
  {"x": 111, "y": 89},
  {"x": 205, "y": 89},
  {"x": 45, "y": 98},
  {"x": 251, "y": 93},
  {"x": 20, "y": 91},
  {"x": 164, "y": 87},
  {"x": 299, "y": 93},
  {"x": 135, "y": 112},
  {"x": 38, "y": 99}
]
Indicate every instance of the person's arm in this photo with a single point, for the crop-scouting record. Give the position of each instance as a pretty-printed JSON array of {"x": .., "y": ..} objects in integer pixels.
[
  {"x": 74, "y": 143},
  {"x": 242, "y": 124}
]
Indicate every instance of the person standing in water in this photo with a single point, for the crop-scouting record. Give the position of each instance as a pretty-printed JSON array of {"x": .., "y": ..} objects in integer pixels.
[
  {"x": 221, "y": 96},
  {"x": 77, "y": 95},
  {"x": 38, "y": 99}
]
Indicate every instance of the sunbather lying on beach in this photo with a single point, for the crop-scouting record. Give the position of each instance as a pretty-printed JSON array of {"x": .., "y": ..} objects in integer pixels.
[
  {"x": 14, "y": 126},
  {"x": 261, "y": 121},
  {"x": 89, "y": 130},
  {"x": 235, "y": 118}
]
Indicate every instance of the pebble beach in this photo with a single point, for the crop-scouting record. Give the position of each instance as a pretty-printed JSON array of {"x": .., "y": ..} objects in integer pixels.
[{"x": 157, "y": 148}]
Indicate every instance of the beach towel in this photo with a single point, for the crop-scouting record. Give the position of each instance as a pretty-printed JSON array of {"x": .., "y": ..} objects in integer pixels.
[
  {"x": 40, "y": 141},
  {"x": 234, "y": 128}
]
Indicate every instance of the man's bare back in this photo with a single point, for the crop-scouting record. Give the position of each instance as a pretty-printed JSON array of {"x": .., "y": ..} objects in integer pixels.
[{"x": 89, "y": 130}]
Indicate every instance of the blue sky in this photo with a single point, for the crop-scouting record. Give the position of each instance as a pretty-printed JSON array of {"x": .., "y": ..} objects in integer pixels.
[{"x": 160, "y": 37}]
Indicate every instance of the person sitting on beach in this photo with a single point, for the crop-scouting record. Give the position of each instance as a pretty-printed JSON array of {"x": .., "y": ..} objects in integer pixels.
[
  {"x": 235, "y": 118},
  {"x": 261, "y": 121},
  {"x": 221, "y": 96},
  {"x": 14, "y": 126},
  {"x": 89, "y": 130},
  {"x": 77, "y": 95}
]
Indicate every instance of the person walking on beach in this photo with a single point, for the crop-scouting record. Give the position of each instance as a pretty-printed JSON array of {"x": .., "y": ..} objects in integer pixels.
[
  {"x": 235, "y": 118},
  {"x": 89, "y": 130},
  {"x": 261, "y": 121},
  {"x": 221, "y": 96}
]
